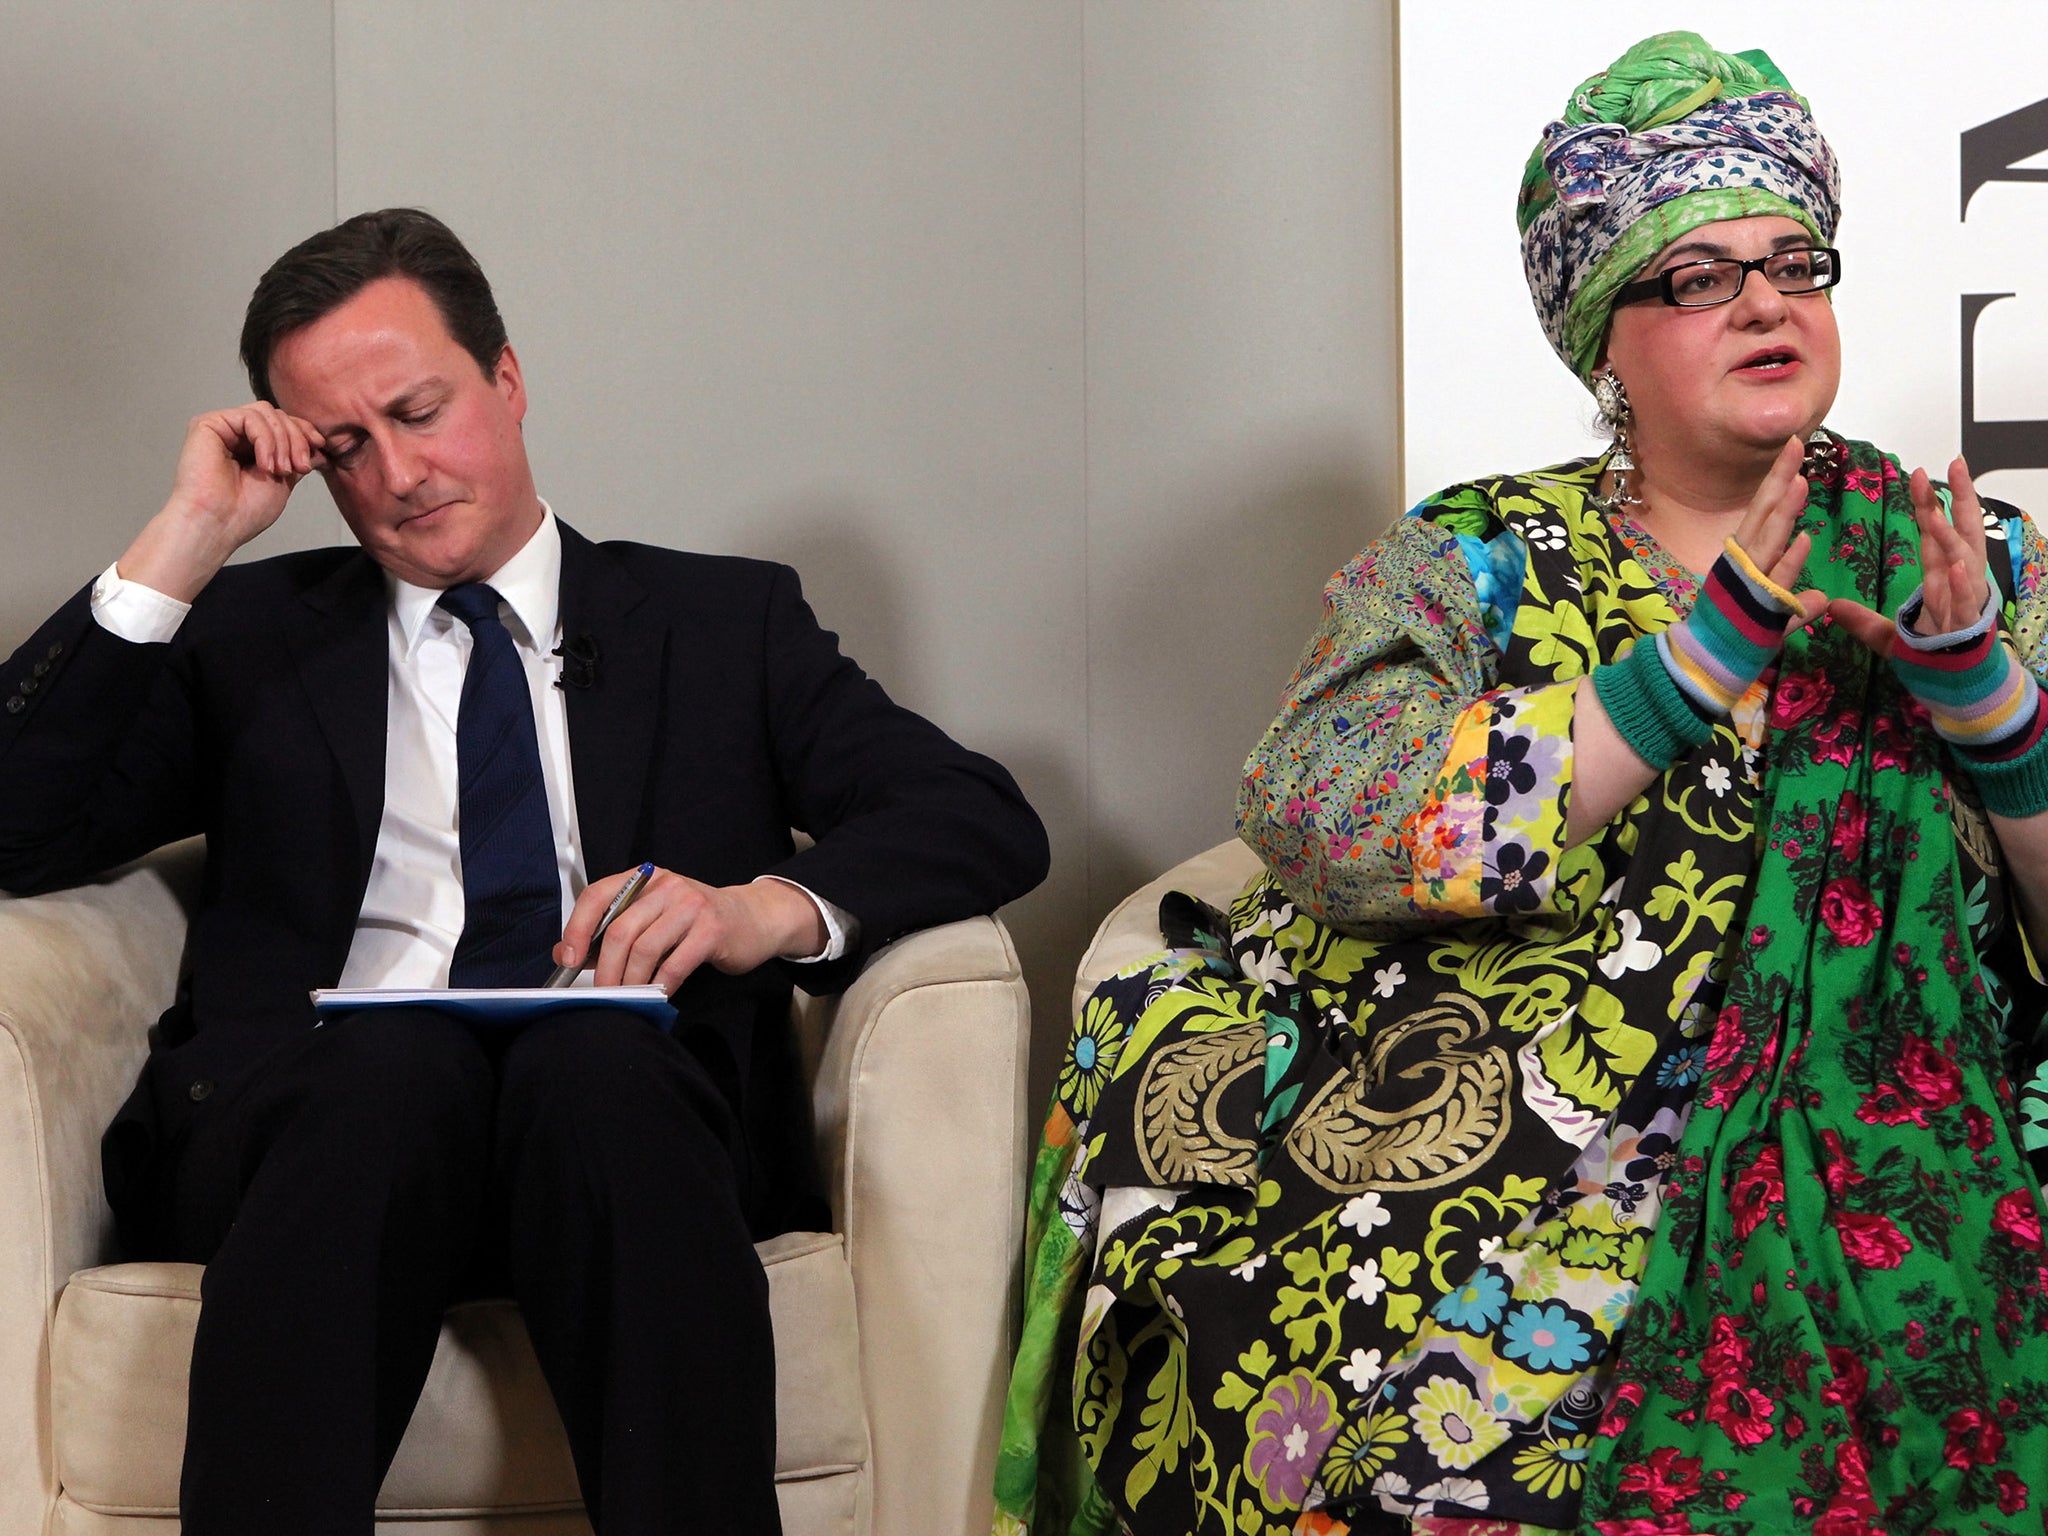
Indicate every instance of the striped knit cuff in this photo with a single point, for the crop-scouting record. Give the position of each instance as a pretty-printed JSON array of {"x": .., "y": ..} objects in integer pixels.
[
  {"x": 1982, "y": 700},
  {"x": 1729, "y": 638},
  {"x": 1974, "y": 687},
  {"x": 1654, "y": 718},
  {"x": 2015, "y": 786}
]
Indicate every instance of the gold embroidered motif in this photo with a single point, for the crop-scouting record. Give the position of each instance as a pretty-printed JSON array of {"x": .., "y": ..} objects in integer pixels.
[
  {"x": 1179, "y": 1138},
  {"x": 1973, "y": 831},
  {"x": 1457, "y": 1116}
]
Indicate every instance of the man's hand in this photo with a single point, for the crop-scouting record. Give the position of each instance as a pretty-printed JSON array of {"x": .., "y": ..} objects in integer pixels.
[
  {"x": 677, "y": 924},
  {"x": 235, "y": 472}
]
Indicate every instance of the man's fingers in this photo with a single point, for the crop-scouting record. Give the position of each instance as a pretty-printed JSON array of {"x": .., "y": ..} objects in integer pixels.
[
  {"x": 252, "y": 437},
  {"x": 303, "y": 442},
  {"x": 261, "y": 433},
  {"x": 647, "y": 949},
  {"x": 225, "y": 428},
  {"x": 584, "y": 915},
  {"x": 281, "y": 446},
  {"x": 696, "y": 947},
  {"x": 640, "y": 937}
]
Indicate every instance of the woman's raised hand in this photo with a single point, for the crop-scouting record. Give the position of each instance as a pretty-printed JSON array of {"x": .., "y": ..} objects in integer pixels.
[
  {"x": 1640, "y": 714},
  {"x": 1952, "y": 566},
  {"x": 1765, "y": 532}
]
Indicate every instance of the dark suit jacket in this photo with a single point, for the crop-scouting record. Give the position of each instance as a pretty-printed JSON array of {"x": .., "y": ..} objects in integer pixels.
[{"x": 720, "y": 717}]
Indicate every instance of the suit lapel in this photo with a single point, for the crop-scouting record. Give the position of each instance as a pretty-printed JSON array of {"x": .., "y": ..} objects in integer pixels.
[
  {"x": 338, "y": 638},
  {"x": 614, "y": 701}
]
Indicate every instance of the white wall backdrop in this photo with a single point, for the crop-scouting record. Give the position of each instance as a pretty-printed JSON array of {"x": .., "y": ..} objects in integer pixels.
[
  {"x": 1052, "y": 340},
  {"x": 1894, "y": 91}
]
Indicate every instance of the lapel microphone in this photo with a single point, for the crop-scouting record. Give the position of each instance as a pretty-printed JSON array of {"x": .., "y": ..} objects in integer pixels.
[{"x": 579, "y": 662}]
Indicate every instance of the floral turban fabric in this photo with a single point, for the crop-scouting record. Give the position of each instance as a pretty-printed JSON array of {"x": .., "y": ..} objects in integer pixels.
[{"x": 1670, "y": 136}]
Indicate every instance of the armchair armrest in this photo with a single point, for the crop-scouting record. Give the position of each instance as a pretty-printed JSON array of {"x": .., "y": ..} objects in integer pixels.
[
  {"x": 83, "y": 974},
  {"x": 1131, "y": 931},
  {"x": 919, "y": 1103}
]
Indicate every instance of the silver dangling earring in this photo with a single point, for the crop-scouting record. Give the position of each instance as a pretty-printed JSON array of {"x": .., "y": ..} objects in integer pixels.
[{"x": 1612, "y": 400}]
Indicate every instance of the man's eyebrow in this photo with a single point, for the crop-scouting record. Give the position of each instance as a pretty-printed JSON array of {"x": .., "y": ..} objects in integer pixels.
[
  {"x": 413, "y": 396},
  {"x": 408, "y": 399}
]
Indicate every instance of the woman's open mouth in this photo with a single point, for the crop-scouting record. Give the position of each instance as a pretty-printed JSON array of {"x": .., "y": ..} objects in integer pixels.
[{"x": 1772, "y": 363}]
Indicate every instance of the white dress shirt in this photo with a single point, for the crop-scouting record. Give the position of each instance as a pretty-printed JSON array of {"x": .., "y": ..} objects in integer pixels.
[{"x": 412, "y": 909}]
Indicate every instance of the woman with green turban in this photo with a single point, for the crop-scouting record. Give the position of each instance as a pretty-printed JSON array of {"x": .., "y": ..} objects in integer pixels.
[{"x": 1602, "y": 1113}]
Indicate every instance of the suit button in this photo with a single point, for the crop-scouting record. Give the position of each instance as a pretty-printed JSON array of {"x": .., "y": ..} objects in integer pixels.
[
  {"x": 29, "y": 685},
  {"x": 41, "y": 669},
  {"x": 56, "y": 649},
  {"x": 16, "y": 705},
  {"x": 201, "y": 1087}
]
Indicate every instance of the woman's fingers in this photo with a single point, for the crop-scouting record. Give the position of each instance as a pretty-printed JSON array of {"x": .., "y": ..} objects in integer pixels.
[
  {"x": 1966, "y": 527},
  {"x": 1934, "y": 559},
  {"x": 1767, "y": 526},
  {"x": 1873, "y": 629},
  {"x": 1786, "y": 568},
  {"x": 1952, "y": 562}
]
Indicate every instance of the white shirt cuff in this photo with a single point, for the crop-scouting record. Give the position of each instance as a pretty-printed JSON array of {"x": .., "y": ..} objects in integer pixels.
[
  {"x": 840, "y": 924},
  {"x": 134, "y": 612}
]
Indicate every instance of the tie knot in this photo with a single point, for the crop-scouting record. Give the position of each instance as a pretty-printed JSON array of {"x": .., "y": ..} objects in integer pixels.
[{"x": 471, "y": 602}]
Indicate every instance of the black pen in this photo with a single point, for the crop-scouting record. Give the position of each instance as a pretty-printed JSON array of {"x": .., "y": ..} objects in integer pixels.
[{"x": 635, "y": 883}]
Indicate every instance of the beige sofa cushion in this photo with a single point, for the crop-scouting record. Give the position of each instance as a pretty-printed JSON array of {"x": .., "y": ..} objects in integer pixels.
[{"x": 485, "y": 1435}]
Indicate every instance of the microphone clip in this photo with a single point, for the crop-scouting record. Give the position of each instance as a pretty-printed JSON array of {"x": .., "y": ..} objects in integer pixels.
[{"x": 579, "y": 662}]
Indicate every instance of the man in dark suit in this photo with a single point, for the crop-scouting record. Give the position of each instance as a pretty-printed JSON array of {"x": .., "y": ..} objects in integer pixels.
[{"x": 438, "y": 757}]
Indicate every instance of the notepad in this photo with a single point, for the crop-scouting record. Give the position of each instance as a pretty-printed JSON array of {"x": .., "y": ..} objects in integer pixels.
[{"x": 499, "y": 1007}]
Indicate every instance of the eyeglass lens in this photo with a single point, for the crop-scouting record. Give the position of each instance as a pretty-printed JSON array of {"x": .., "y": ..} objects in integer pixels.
[{"x": 1718, "y": 281}]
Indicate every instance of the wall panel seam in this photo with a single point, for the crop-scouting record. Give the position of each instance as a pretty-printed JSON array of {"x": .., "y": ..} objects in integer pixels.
[{"x": 1088, "y": 829}]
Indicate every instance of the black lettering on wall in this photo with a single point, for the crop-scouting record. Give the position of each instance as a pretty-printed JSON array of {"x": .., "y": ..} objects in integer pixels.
[
  {"x": 1991, "y": 151},
  {"x": 1990, "y": 445}
]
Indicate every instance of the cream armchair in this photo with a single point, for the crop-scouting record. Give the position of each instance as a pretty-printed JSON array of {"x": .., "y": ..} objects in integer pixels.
[
  {"x": 1131, "y": 931},
  {"x": 892, "y": 1333}
]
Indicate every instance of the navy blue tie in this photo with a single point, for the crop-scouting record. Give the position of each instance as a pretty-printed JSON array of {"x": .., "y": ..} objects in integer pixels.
[{"x": 511, "y": 893}]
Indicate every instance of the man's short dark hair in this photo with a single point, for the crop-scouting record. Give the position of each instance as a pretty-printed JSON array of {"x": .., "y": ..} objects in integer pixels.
[{"x": 319, "y": 275}]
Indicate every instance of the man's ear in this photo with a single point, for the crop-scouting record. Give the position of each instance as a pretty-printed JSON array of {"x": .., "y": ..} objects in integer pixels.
[{"x": 510, "y": 382}]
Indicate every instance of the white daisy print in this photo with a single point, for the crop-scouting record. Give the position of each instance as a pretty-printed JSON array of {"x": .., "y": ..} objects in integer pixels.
[
  {"x": 1633, "y": 953},
  {"x": 1364, "y": 1214},
  {"x": 1367, "y": 1283},
  {"x": 1362, "y": 1370}
]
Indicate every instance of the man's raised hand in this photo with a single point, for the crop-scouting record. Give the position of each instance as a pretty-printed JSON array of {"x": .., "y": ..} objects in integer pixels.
[{"x": 235, "y": 472}]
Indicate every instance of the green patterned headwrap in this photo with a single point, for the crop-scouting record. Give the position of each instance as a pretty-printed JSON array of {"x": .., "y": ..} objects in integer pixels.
[{"x": 1670, "y": 136}]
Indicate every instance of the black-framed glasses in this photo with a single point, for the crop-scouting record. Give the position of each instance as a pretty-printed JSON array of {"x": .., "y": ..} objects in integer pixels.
[{"x": 1697, "y": 284}]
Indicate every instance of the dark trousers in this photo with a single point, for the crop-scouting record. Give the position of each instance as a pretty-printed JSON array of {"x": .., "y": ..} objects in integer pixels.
[{"x": 393, "y": 1162}]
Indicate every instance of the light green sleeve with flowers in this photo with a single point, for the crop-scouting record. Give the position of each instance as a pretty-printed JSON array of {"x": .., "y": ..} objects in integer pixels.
[{"x": 1369, "y": 797}]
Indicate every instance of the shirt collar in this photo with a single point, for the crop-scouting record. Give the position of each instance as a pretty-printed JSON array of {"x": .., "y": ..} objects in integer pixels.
[{"x": 530, "y": 583}]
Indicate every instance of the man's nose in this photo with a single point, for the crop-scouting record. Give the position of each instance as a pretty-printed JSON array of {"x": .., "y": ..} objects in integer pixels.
[{"x": 404, "y": 465}]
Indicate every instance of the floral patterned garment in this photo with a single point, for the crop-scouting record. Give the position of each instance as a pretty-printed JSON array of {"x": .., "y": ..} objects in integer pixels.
[
  {"x": 1843, "y": 1326},
  {"x": 1404, "y": 784}
]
